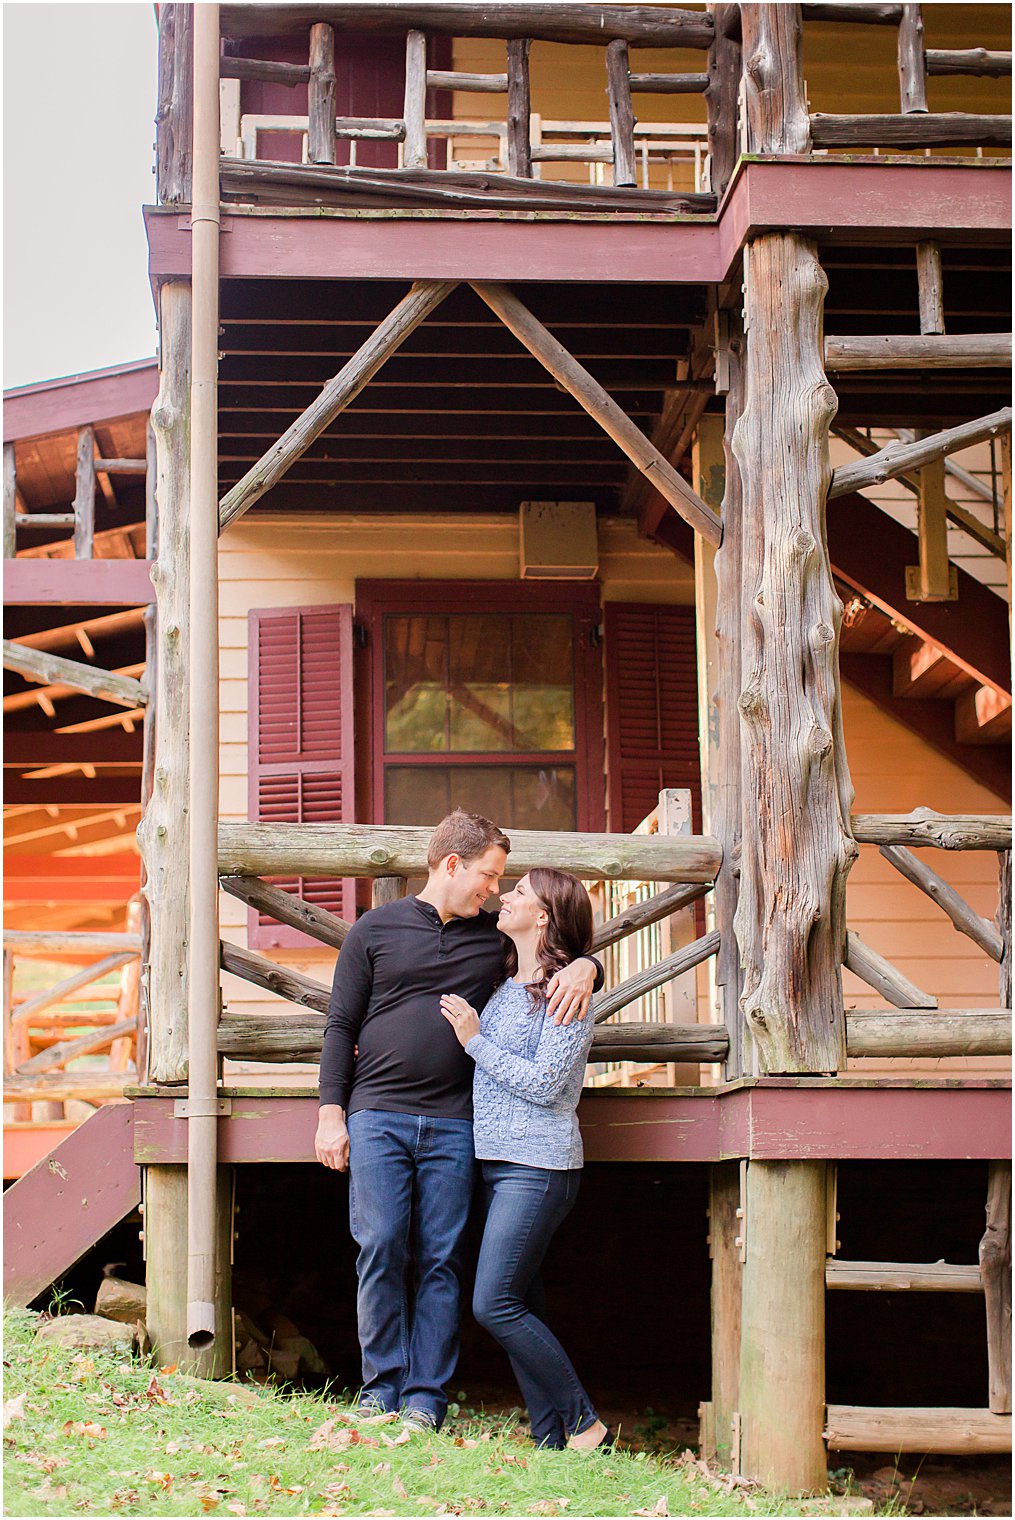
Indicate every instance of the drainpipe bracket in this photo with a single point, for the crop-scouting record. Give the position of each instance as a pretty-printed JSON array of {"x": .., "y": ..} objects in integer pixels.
[{"x": 202, "y": 1108}]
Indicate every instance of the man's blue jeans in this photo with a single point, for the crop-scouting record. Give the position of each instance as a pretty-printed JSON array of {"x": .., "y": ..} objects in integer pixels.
[
  {"x": 524, "y": 1207},
  {"x": 410, "y": 1190}
]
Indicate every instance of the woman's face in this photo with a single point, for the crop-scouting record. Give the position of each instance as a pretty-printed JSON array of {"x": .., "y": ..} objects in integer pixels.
[{"x": 521, "y": 911}]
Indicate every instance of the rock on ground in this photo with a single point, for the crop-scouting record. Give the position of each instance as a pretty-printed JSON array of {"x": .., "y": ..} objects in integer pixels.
[
  {"x": 122, "y": 1300},
  {"x": 81, "y": 1330}
]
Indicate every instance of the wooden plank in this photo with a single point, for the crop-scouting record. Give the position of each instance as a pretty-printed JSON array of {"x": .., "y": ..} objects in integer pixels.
[
  {"x": 782, "y": 1358},
  {"x": 992, "y": 65},
  {"x": 84, "y": 495},
  {"x": 266, "y": 70},
  {"x": 78, "y": 583},
  {"x": 896, "y": 459},
  {"x": 995, "y": 1270},
  {"x": 644, "y": 25},
  {"x": 940, "y": 129},
  {"x": 618, "y": 76},
  {"x": 880, "y": 974},
  {"x": 725, "y": 1235},
  {"x": 321, "y": 95},
  {"x": 165, "y": 1231},
  {"x": 422, "y": 299},
  {"x": 983, "y": 716},
  {"x": 82, "y": 1045},
  {"x": 943, "y": 1032},
  {"x": 662, "y": 905},
  {"x": 590, "y": 394},
  {"x": 965, "y": 918},
  {"x": 65, "y": 1204},
  {"x": 952, "y": 1432},
  {"x": 307, "y": 849},
  {"x": 906, "y": 351},
  {"x": 10, "y": 547},
  {"x": 287, "y": 909},
  {"x": 931, "y": 579},
  {"x": 669, "y": 84},
  {"x": 912, "y": 64},
  {"x": 414, "y": 111},
  {"x": 52, "y": 669},
  {"x": 944, "y": 831},
  {"x": 901, "y": 1277},
  {"x": 519, "y": 108},
  {"x": 291, "y": 985},
  {"x": 608, "y": 1002}
]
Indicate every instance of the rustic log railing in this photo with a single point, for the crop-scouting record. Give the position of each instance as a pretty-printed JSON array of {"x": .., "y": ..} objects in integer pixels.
[{"x": 90, "y": 471}]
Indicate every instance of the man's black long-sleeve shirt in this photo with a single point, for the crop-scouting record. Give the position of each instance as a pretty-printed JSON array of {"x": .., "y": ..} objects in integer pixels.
[{"x": 393, "y": 968}]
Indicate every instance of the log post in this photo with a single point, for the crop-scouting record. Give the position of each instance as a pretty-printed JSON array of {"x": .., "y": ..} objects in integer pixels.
[
  {"x": 727, "y": 1283},
  {"x": 777, "y": 120},
  {"x": 385, "y": 889},
  {"x": 727, "y": 818},
  {"x": 782, "y": 1355},
  {"x": 790, "y": 919},
  {"x": 1006, "y": 506},
  {"x": 174, "y": 138},
  {"x": 148, "y": 745},
  {"x": 84, "y": 495},
  {"x": 912, "y": 60},
  {"x": 934, "y": 578},
  {"x": 415, "y": 101},
  {"x": 321, "y": 95},
  {"x": 1004, "y": 924},
  {"x": 995, "y": 1274},
  {"x": 931, "y": 286},
  {"x": 162, "y": 833},
  {"x": 10, "y": 503},
  {"x": 721, "y": 97},
  {"x": 165, "y": 1242},
  {"x": 519, "y": 108},
  {"x": 618, "y": 74}
]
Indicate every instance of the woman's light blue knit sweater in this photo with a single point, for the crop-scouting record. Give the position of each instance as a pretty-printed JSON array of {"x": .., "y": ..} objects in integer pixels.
[{"x": 529, "y": 1074}]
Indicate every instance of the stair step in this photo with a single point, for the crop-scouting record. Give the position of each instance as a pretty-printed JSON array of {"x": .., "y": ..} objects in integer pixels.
[
  {"x": 921, "y": 669},
  {"x": 983, "y": 716}
]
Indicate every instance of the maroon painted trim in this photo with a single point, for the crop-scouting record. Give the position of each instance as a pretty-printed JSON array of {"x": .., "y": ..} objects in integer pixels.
[
  {"x": 766, "y": 1121},
  {"x": 78, "y": 582},
  {"x": 375, "y": 599},
  {"x": 55, "y": 406},
  {"x": 813, "y": 194}
]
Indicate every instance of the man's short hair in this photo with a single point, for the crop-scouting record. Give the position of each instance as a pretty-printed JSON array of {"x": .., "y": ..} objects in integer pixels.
[{"x": 467, "y": 835}]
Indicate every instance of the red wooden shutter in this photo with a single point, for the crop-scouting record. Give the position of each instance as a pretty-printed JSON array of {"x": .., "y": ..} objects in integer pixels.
[
  {"x": 301, "y": 741},
  {"x": 651, "y": 709}
]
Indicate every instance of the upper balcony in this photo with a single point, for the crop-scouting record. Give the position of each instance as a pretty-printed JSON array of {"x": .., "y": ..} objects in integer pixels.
[{"x": 602, "y": 111}]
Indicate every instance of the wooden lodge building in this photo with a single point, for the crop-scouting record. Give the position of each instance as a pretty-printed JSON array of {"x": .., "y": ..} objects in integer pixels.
[{"x": 596, "y": 416}]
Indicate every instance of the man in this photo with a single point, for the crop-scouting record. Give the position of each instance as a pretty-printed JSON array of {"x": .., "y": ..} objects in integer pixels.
[{"x": 396, "y": 1106}]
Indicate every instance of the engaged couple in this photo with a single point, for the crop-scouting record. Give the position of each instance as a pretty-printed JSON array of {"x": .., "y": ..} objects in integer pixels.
[{"x": 417, "y": 1086}]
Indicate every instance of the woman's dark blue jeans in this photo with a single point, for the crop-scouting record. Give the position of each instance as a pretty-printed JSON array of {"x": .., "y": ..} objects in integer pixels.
[{"x": 524, "y": 1207}]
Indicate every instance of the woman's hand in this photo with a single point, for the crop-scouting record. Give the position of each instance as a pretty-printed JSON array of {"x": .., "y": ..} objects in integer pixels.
[{"x": 463, "y": 1019}]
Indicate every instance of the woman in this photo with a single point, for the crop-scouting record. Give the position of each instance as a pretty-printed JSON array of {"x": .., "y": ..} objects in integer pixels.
[{"x": 529, "y": 1074}]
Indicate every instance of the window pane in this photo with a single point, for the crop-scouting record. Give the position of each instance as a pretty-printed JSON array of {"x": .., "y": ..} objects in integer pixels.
[
  {"x": 470, "y": 683},
  {"x": 520, "y": 797}
]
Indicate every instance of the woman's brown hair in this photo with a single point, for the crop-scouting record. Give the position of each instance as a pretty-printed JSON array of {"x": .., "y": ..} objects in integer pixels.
[{"x": 569, "y": 929}]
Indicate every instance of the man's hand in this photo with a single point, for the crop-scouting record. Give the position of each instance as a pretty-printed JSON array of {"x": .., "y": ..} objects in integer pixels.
[
  {"x": 331, "y": 1143},
  {"x": 569, "y": 992}
]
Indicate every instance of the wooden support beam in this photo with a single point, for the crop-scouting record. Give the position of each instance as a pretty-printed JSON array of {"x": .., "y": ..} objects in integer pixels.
[
  {"x": 906, "y": 351},
  {"x": 901, "y": 1277},
  {"x": 606, "y": 1003},
  {"x": 519, "y": 108},
  {"x": 265, "y": 70},
  {"x": 10, "y": 503},
  {"x": 82, "y": 1045},
  {"x": 995, "y": 1270},
  {"x": 287, "y": 909},
  {"x": 84, "y": 495},
  {"x": 912, "y": 64},
  {"x": 725, "y": 1238},
  {"x": 385, "y": 889},
  {"x": 424, "y": 297},
  {"x": 931, "y": 287},
  {"x": 590, "y": 394},
  {"x": 848, "y": 10},
  {"x": 165, "y": 1251},
  {"x": 291, "y": 985},
  {"x": 968, "y": 61},
  {"x": 473, "y": 84},
  {"x": 64, "y": 989},
  {"x": 662, "y": 905},
  {"x": 880, "y": 974},
  {"x": 53, "y": 670},
  {"x": 724, "y": 68},
  {"x": 55, "y": 943},
  {"x": 965, "y": 918},
  {"x": 953, "y": 1432},
  {"x": 933, "y": 579},
  {"x": 331, "y": 849},
  {"x": 939, "y": 129},
  {"x": 321, "y": 95},
  {"x": 414, "y": 111},
  {"x": 945, "y": 831},
  {"x": 121, "y": 466},
  {"x": 669, "y": 84},
  {"x": 782, "y": 1357},
  {"x": 162, "y": 833},
  {"x": 944, "y": 1032},
  {"x": 618, "y": 75},
  {"x": 1004, "y": 924},
  {"x": 772, "y": 37}
]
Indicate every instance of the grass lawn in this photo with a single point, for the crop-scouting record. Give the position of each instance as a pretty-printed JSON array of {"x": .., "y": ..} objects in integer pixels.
[{"x": 98, "y": 1433}]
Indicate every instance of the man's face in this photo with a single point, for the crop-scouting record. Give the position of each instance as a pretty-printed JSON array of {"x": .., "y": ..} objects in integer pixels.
[{"x": 471, "y": 882}]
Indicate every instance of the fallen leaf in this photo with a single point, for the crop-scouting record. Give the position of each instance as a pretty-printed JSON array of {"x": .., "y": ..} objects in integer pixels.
[
  {"x": 436, "y": 1461},
  {"x": 660, "y": 1507},
  {"x": 163, "y": 1479},
  {"x": 396, "y": 1440},
  {"x": 86, "y": 1428},
  {"x": 155, "y": 1393},
  {"x": 236, "y": 1508},
  {"x": 401, "y": 1492},
  {"x": 382, "y": 1467},
  {"x": 272, "y": 1441},
  {"x": 209, "y": 1502},
  {"x": 14, "y": 1409}
]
